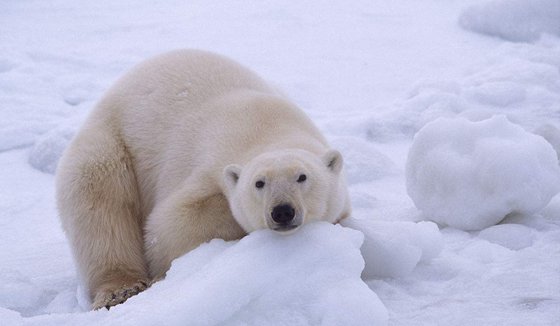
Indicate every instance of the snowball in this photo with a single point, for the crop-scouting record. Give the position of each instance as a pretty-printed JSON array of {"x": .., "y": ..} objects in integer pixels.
[
  {"x": 393, "y": 249},
  {"x": 513, "y": 20},
  {"x": 48, "y": 149},
  {"x": 512, "y": 236},
  {"x": 470, "y": 175}
]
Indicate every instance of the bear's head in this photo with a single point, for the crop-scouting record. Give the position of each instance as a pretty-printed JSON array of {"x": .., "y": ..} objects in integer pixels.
[{"x": 285, "y": 189}]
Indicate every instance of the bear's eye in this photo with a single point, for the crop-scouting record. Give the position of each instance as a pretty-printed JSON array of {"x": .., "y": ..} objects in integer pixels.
[
  {"x": 302, "y": 178},
  {"x": 259, "y": 184}
]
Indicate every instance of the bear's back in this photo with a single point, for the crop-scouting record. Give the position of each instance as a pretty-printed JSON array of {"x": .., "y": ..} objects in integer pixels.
[
  {"x": 188, "y": 110},
  {"x": 188, "y": 76}
]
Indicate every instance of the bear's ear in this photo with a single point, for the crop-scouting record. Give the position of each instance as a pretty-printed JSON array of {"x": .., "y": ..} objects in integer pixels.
[
  {"x": 231, "y": 175},
  {"x": 333, "y": 160}
]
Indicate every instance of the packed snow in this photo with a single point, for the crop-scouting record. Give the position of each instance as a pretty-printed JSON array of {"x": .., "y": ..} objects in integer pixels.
[
  {"x": 312, "y": 277},
  {"x": 393, "y": 249},
  {"x": 470, "y": 175},
  {"x": 371, "y": 74}
]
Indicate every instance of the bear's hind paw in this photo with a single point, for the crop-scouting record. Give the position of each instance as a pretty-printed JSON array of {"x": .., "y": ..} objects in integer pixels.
[{"x": 110, "y": 298}]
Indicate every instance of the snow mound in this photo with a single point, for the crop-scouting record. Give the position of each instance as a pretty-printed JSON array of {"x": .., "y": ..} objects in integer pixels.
[
  {"x": 513, "y": 20},
  {"x": 393, "y": 249},
  {"x": 470, "y": 175},
  {"x": 48, "y": 149},
  {"x": 511, "y": 236},
  {"x": 309, "y": 278}
]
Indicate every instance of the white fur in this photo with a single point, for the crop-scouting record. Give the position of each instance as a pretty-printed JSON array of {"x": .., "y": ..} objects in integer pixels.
[{"x": 168, "y": 160}]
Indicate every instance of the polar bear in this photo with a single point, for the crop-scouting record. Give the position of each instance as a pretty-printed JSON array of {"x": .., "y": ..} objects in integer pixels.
[{"x": 187, "y": 147}]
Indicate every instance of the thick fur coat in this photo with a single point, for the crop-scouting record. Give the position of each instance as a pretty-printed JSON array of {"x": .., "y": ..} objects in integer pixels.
[{"x": 187, "y": 147}]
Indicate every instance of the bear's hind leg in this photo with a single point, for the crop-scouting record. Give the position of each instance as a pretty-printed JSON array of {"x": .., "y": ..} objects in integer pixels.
[{"x": 99, "y": 208}]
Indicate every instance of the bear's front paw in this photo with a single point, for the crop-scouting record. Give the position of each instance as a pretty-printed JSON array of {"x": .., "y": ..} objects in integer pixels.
[{"x": 111, "y": 297}]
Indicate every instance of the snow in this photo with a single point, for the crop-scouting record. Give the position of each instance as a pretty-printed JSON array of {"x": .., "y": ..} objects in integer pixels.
[
  {"x": 394, "y": 249},
  {"x": 265, "y": 278},
  {"x": 470, "y": 175},
  {"x": 371, "y": 74},
  {"x": 48, "y": 149},
  {"x": 520, "y": 81},
  {"x": 363, "y": 161},
  {"x": 511, "y": 236},
  {"x": 513, "y": 20},
  {"x": 552, "y": 135}
]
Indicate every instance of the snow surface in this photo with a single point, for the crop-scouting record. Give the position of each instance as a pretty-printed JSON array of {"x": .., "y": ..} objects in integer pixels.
[
  {"x": 514, "y": 20},
  {"x": 371, "y": 74},
  {"x": 264, "y": 279},
  {"x": 393, "y": 249},
  {"x": 470, "y": 175}
]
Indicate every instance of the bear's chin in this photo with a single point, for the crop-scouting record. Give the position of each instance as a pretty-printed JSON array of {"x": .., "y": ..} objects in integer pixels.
[{"x": 285, "y": 228}]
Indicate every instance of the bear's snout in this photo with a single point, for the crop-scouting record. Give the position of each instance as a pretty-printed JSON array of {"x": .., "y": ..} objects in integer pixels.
[{"x": 283, "y": 214}]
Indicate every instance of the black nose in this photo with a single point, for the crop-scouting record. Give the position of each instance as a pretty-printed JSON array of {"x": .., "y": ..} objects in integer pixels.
[{"x": 283, "y": 214}]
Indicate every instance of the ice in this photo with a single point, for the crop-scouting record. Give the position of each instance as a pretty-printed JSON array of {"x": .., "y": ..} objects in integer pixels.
[
  {"x": 513, "y": 20},
  {"x": 470, "y": 175}
]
